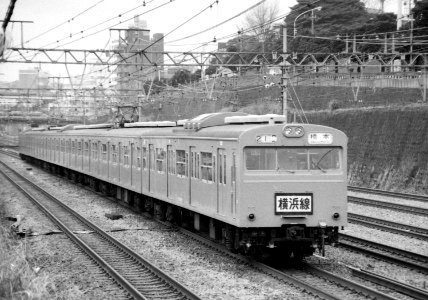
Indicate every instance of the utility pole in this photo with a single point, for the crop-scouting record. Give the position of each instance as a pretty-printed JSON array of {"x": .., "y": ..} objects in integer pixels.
[{"x": 285, "y": 76}]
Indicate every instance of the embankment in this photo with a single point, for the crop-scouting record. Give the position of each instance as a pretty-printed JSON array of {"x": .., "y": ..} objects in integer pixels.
[{"x": 387, "y": 148}]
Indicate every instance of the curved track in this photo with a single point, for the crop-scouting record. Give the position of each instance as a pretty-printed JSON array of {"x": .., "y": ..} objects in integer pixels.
[
  {"x": 388, "y": 205},
  {"x": 397, "y": 256},
  {"x": 399, "y": 228},
  {"x": 140, "y": 278},
  {"x": 388, "y": 193}
]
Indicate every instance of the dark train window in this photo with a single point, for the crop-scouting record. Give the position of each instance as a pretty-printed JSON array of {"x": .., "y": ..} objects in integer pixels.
[
  {"x": 86, "y": 149},
  {"x": 104, "y": 152},
  {"x": 160, "y": 160},
  {"x": 206, "y": 166},
  {"x": 171, "y": 161},
  {"x": 292, "y": 158},
  {"x": 138, "y": 157},
  {"x": 95, "y": 150},
  {"x": 181, "y": 162},
  {"x": 114, "y": 153},
  {"x": 126, "y": 155},
  {"x": 144, "y": 154}
]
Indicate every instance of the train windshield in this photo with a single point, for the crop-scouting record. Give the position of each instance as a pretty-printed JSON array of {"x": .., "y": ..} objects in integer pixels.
[{"x": 292, "y": 158}]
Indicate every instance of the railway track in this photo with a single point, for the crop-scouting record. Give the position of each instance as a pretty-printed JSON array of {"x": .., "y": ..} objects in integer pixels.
[
  {"x": 394, "y": 255},
  {"x": 139, "y": 278},
  {"x": 388, "y": 205},
  {"x": 388, "y": 282},
  {"x": 414, "y": 197},
  {"x": 315, "y": 281},
  {"x": 399, "y": 228}
]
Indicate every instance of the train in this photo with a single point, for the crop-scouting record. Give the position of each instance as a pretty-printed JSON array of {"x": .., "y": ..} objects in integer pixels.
[{"x": 255, "y": 183}]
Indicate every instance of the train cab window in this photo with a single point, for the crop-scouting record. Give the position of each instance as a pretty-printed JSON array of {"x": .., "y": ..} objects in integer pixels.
[
  {"x": 104, "y": 152},
  {"x": 207, "y": 166},
  {"x": 181, "y": 162},
  {"x": 114, "y": 154},
  {"x": 160, "y": 159},
  {"x": 260, "y": 158},
  {"x": 144, "y": 157},
  {"x": 292, "y": 158}
]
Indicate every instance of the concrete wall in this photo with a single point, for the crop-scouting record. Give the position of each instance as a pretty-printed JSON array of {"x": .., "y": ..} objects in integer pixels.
[{"x": 388, "y": 147}]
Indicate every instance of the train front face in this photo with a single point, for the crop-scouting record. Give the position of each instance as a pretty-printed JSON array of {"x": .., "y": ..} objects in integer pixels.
[{"x": 294, "y": 187}]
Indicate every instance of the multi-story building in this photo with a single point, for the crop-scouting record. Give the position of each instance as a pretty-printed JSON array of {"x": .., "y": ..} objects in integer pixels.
[{"x": 137, "y": 38}]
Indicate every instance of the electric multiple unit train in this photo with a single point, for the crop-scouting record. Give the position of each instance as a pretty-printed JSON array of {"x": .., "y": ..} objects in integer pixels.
[{"x": 252, "y": 182}]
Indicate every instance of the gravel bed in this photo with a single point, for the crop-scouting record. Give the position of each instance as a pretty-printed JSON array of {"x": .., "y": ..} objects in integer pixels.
[
  {"x": 208, "y": 273},
  {"x": 70, "y": 275},
  {"x": 337, "y": 260},
  {"x": 387, "y": 238},
  {"x": 396, "y": 200},
  {"x": 389, "y": 215},
  {"x": 214, "y": 277}
]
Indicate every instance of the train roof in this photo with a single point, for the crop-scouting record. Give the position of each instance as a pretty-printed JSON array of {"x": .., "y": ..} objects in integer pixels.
[{"x": 226, "y": 125}]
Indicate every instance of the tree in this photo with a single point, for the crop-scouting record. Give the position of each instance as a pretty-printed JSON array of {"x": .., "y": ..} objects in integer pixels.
[
  {"x": 333, "y": 23},
  {"x": 259, "y": 22},
  {"x": 180, "y": 77},
  {"x": 420, "y": 28}
]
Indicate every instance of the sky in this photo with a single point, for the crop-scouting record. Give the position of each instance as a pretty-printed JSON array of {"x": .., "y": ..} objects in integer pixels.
[
  {"x": 67, "y": 17},
  {"x": 48, "y": 14}
]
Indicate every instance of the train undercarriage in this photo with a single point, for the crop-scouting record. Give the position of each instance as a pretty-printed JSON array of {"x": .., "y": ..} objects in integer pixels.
[{"x": 291, "y": 241}]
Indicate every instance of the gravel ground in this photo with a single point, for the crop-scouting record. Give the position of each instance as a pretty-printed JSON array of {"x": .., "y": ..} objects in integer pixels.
[
  {"x": 207, "y": 273},
  {"x": 70, "y": 275},
  {"x": 202, "y": 269}
]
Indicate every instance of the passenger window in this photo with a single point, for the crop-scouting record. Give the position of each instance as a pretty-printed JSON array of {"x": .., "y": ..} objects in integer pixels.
[
  {"x": 114, "y": 153},
  {"x": 160, "y": 158},
  {"x": 126, "y": 155},
  {"x": 144, "y": 158},
  {"x": 138, "y": 157},
  {"x": 207, "y": 166},
  {"x": 181, "y": 162},
  {"x": 104, "y": 152}
]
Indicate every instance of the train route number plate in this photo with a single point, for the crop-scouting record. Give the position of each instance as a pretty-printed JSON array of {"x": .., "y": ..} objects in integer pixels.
[{"x": 293, "y": 203}]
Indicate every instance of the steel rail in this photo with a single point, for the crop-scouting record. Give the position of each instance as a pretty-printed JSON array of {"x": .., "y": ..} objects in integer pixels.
[
  {"x": 286, "y": 277},
  {"x": 389, "y": 193},
  {"x": 394, "y": 227},
  {"x": 397, "y": 256},
  {"x": 388, "y": 205},
  {"x": 348, "y": 283},
  {"x": 391, "y": 283},
  {"x": 130, "y": 288}
]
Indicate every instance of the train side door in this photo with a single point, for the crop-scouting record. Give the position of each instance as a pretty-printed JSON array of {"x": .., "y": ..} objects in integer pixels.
[
  {"x": 151, "y": 166},
  {"x": 222, "y": 180},
  {"x": 233, "y": 174},
  {"x": 193, "y": 159},
  {"x": 169, "y": 170}
]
